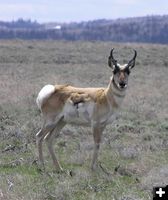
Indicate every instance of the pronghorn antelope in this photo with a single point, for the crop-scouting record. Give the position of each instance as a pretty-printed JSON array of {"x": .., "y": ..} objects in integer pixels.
[{"x": 95, "y": 107}]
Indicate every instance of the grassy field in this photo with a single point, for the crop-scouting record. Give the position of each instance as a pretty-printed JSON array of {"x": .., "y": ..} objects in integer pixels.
[{"x": 134, "y": 151}]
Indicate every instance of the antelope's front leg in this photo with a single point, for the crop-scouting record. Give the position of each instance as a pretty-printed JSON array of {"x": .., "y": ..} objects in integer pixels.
[{"x": 97, "y": 133}]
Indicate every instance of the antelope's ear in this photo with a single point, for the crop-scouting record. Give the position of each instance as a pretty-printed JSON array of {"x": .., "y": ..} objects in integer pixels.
[{"x": 131, "y": 63}]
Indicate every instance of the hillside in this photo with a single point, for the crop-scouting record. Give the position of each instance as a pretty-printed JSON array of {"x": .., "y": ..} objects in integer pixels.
[
  {"x": 134, "y": 150},
  {"x": 149, "y": 29}
]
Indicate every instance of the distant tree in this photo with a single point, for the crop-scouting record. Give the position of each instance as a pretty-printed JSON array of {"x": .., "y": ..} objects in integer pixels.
[{"x": 151, "y": 29}]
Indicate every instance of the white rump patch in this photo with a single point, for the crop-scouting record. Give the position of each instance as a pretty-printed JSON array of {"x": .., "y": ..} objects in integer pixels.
[{"x": 44, "y": 93}]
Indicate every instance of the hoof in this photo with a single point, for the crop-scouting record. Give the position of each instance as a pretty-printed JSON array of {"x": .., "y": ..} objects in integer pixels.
[
  {"x": 70, "y": 173},
  {"x": 40, "y": 169},
  {"x": 66, "y": 172},
  {"x": 94, "y": 167}
]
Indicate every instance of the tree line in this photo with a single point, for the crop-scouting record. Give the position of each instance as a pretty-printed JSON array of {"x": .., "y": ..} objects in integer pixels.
[{"x": 149, "y": 29}]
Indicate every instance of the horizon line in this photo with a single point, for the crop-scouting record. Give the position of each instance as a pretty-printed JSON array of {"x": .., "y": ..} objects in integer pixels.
[{"x": 69, "y": 22}]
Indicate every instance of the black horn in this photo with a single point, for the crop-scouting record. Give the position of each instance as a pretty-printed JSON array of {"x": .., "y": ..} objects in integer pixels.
[
  {"x": 111, "y": 60},
  {"x": 131, "y": 63}
]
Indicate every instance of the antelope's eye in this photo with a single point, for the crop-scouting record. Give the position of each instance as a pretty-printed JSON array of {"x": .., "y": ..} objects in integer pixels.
[
  {"x": 116, "y": 70},
  {"x": 126, "y": 70}
]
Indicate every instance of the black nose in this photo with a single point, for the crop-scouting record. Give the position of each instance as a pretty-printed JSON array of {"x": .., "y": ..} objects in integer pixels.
[{"x": 122, "y": 84}]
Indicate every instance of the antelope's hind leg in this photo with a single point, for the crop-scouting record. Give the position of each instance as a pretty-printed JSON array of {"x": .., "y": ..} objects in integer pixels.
[
  {"x": 49, "y": 140},
  {"x": 39, "y": 140}
]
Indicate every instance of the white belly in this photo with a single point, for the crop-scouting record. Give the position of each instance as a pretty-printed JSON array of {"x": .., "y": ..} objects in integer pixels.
[
  {"x": 82, "y": 113},
  {"x": 79, "y": 114}
]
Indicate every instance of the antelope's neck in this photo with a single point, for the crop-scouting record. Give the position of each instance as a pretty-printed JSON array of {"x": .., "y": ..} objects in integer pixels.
[{"x": 115, "y": 96}]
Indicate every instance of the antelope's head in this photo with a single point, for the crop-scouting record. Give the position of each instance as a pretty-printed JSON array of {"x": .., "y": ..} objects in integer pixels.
[{"x": 121, "y": 72}]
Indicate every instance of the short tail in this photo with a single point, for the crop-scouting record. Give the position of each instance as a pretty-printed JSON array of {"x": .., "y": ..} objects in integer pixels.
[{"x": 44, "y": 93}]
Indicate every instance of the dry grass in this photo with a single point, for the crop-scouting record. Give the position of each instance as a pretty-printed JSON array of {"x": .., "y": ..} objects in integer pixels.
[{"x": 133, "y": 154}]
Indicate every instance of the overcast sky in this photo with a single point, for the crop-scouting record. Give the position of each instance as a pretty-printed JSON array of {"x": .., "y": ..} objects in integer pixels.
[{"x": 79, "y": 10}]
